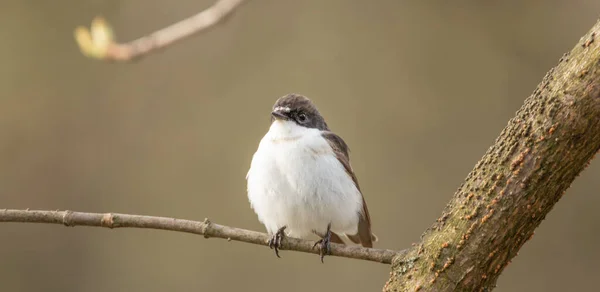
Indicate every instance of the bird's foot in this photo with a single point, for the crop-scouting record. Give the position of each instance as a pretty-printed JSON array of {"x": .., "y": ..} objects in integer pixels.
[
  {"x": 275, "y": 241},
  {"x": 324, "y": 243}
]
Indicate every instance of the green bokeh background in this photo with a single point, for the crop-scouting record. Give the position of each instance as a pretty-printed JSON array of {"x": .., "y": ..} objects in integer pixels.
[{"x": 418, "y": 89}]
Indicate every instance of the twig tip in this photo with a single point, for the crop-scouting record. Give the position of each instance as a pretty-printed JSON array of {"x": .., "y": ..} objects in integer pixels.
[{"x": 95, "y": 42}]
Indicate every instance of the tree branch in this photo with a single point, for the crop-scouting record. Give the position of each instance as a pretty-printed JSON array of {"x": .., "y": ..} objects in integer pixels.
[
  {"x": 206, "y": 228},
  {"x": 100, "y": 44},
  {"x": 506, "y": 196}
]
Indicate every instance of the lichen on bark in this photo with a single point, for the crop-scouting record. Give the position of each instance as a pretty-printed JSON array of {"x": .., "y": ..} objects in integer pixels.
[{"x": 552, "y": 138}]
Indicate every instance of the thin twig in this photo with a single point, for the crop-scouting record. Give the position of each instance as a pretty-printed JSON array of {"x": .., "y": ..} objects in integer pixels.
[
  {"x": 99, "y": 43},
  {"x": 206, "y": 228}
]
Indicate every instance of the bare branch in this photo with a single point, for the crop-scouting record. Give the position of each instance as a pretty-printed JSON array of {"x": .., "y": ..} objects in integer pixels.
[
  {"x": 99, "y": 42},
  {"x": 206, "y": 228}
]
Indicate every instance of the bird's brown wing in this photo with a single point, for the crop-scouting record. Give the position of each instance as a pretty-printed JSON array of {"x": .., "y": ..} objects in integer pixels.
[{"x": 341, "y": 150}]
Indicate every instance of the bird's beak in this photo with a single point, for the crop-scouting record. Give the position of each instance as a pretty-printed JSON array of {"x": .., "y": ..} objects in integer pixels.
[{"x": 279, "y": 115}]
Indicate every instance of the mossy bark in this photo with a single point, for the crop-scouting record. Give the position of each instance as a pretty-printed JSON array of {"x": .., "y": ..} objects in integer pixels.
[{"x": 506, "y": 196}]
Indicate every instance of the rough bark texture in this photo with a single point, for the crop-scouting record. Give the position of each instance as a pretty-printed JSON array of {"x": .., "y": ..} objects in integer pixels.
[{"x": 506, "y": 196}]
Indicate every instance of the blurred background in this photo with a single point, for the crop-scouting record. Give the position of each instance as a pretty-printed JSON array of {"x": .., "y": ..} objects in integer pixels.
[{"x": 418, "y": 89}]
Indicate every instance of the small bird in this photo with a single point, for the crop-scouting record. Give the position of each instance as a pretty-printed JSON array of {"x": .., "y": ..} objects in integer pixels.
[{"x": 301, "y": 183}]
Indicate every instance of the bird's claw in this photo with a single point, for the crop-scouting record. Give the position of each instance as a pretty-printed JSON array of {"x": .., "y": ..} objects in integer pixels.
[
  {"x": 324, "y": 244},
  {"x": 275, "y": 241}
]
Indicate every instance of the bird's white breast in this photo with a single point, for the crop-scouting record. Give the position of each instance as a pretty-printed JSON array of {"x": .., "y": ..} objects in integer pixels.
[{"x": 295, "y": 180}]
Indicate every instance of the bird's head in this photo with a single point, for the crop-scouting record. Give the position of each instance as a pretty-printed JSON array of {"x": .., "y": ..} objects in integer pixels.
[{"x": 299, "y": 110}]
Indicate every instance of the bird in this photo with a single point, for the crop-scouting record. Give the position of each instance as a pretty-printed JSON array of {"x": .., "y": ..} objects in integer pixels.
[{"x": 300, "y": 182}]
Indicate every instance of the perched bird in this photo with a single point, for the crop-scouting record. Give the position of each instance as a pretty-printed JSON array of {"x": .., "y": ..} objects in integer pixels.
[{"x": 300, "y": 180}]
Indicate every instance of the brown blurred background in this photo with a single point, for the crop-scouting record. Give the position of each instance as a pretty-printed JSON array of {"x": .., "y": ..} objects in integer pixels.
[{"x": 419, "y": 90}]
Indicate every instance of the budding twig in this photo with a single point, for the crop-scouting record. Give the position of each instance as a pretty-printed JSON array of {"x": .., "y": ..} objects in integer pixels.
[{"x": 98, "y": 42}]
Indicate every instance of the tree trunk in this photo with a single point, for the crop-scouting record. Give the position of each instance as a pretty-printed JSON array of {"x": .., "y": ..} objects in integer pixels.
[{"x": 506, "y": 196}]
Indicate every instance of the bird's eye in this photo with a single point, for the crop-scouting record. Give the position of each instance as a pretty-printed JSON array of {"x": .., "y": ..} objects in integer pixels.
[{"x": 302, "y": 117}]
